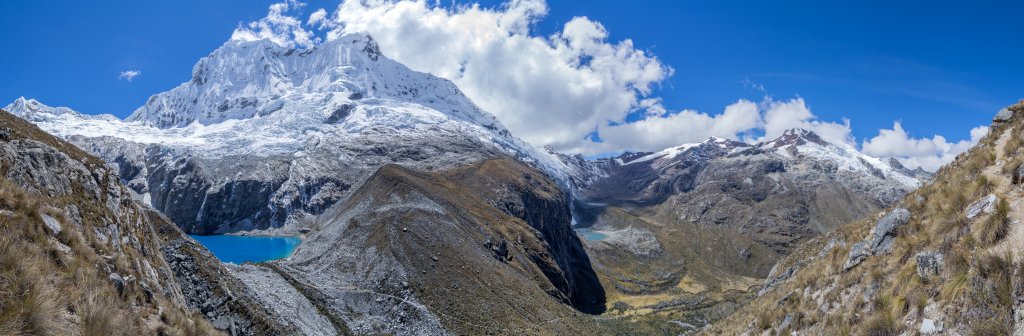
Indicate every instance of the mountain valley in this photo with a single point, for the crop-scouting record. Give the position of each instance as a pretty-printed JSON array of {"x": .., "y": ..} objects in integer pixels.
[{"x": 419, "y": 213}]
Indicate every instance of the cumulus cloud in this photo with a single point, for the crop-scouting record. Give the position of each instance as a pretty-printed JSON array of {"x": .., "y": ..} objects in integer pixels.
[
  {"x": 780, "y": 116},
  {"x": 278, "y": 27},
  {"x": 575, "y": 90},
  {"x": 928, "y": 154},
  {"x": 658, "y": 132},
  {"x": 128, "y": 75},
  {"x": 318, "y": 17},
  {"x": 739, "y": 121},
  {"x": 549, "y": 90}
]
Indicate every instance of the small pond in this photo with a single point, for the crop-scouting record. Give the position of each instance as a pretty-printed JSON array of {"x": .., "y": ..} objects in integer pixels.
[
  {"x": 589, "y": 234},
  {"x": 240, "y": 249}
]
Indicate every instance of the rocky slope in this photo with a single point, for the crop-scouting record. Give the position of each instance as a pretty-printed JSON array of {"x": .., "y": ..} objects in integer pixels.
[
  {"x": 298, "y": 130},
  {"x": 690, "y": 232},
  {"x": 479, "y": 249},
  {"x": 78, "y": 256},
  {"x": 944, "y": 260}
]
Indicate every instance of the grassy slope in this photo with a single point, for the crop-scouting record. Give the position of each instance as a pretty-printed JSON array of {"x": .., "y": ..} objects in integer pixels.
[
  {"x": 884, "y": 295},
  {"x": 59, "y": 284}
]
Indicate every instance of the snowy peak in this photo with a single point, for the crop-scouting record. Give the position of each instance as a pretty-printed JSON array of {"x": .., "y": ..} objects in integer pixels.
[
  {"x": 34, "y": 111},
  {"x": 713, "y": 146},
  {"x": 795, "y": 145},
  {"x": 249, "y": 79},
  {"x": 803, "y": 144},
  {"x": 797, "y": 137}
]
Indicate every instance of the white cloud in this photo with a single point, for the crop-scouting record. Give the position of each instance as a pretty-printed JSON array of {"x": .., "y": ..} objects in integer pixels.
[
  {"x": 739, "y": 121},
  {"x": 658, "y": 132},
  {"x": 552, "y": 90},
  {"x": 128, "y": 75},
  {"x": 780, "y": 116},
  {"x": 318, "y": 17},
  {"x": 559, "y": 90},
  {"x": 278, "y": 27},
  {"x": 929, "y": 154}
]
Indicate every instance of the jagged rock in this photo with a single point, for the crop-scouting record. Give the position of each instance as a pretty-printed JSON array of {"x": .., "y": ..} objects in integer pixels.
[
  {"x": 986, "y": 204},
  {"x": 881, "y": 239},
  {"x": 51, "y": 223},
  {"x": 771, "y": 283},
  {"x": 858, "y": 253},
  {"x": 929, "y": 264},
  {"x": 1003, "y": 115},
  {"x": 885, "y": 229}
]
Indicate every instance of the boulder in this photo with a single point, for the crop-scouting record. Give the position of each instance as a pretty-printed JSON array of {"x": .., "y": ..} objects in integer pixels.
[
  {"x": 1003, "y": 115},
  {"x": 858, "y": 253},
  {"x": 885, "y": 229},
  {"x": 51, "y": 223},
  {"x": 986, "y": 204}
]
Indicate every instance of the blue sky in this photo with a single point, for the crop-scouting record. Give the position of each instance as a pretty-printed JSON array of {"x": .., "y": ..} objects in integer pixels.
[{"x": 940, "y": 68}]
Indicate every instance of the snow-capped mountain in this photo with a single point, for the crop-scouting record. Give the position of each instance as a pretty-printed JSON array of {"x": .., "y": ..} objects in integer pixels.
[
  {"x": 36, "y": 112},
  {"x": 720, "y": 210},
  {"x": 294, "y": 128},
  {"x": 246, "y": 79}
]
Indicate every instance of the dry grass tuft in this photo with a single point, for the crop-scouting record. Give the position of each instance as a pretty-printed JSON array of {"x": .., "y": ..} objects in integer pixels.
[{"x": 995, "y": 228}]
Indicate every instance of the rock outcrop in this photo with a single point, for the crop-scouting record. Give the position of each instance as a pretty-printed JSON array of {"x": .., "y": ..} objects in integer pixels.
[
  {"x": 148, "y": 262},
  {"x": 76, "y": 248},
  {"x": 881, "y": 238}
]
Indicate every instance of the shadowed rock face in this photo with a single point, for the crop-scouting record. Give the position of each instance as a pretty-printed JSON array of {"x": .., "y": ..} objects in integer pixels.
[
  {"x": 485, "y": 248},
  {"x": 238, "y": 193}
]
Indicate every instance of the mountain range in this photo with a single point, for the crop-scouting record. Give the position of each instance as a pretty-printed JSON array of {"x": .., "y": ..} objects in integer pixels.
[{"x": 421, "y": 214}]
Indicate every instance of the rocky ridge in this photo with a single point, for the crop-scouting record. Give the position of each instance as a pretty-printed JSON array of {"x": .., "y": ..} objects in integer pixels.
[{"x": 87, "y": 258}]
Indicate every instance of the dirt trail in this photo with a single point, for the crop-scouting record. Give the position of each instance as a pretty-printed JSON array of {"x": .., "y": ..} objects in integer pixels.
[{"x": 1004, "y": 188}]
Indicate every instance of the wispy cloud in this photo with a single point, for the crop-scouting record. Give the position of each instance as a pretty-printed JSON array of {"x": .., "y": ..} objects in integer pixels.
[{"x": 128, "y": 75}]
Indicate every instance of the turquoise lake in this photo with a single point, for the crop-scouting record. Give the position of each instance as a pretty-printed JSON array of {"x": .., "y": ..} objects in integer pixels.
[
  {"x": 240, "y": 249},
  {"x": 589, "y": 234}
]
